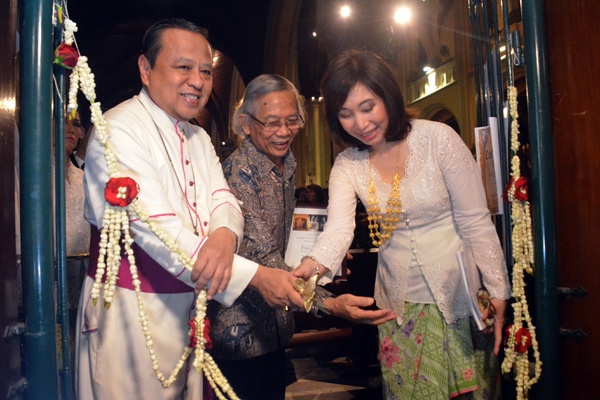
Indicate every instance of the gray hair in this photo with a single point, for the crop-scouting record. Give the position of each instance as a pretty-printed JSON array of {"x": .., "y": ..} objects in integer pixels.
[{"x": 261, "y": 86}]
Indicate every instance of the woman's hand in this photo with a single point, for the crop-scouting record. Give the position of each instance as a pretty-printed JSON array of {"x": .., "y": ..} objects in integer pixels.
[
  {"x": 353, "y": 308},
  {"x": 308, "y": 268},
  {"x": 497, "y": 310}
]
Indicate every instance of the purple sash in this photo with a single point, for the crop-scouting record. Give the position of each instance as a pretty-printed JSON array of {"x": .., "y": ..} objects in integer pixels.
[{"x": 154, "y": 278}]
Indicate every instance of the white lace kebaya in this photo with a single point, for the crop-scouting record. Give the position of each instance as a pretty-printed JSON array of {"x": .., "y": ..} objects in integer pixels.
[{"x": 443, "y": 208}]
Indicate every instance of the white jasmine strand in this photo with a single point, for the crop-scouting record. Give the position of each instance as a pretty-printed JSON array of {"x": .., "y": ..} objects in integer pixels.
[{"x": 522, "y": 246}]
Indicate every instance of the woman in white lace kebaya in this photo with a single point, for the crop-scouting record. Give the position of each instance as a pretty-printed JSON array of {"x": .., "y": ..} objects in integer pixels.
[{"x": 425, "y": 201}]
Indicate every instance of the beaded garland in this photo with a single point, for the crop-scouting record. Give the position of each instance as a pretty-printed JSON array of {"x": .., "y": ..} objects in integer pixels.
[
  {"x": 116, "y": 225},
  {"x": 516, "y": 353},
  {"x": 381, "y": 226}
]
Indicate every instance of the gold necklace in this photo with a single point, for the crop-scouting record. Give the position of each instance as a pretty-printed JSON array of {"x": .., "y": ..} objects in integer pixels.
[{"x": 382, "y": 226}]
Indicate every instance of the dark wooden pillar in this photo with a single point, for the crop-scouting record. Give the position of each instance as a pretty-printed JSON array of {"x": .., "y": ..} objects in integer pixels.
[{"x": 573, "y": 32}]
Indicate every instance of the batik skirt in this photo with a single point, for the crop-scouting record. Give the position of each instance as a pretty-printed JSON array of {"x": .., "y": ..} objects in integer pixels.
[{"x": 425, "y": 358}]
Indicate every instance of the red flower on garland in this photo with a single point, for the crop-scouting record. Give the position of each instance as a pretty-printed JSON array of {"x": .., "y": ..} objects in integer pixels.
[
  {"x": 120, "y": 192},
  {"x": 66, "y": 56},
  {"x": 521, "y": 192},
  {"x": 208, "y": 342},
  {"x": 193, "y": 341},
  {"x": 522, "y": 339}
]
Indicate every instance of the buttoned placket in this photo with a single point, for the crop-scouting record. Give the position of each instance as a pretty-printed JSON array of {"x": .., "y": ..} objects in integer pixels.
[{"x": 189, "y": 180}]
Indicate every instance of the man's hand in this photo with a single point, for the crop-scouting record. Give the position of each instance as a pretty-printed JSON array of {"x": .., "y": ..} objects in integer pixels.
[
  {"x": 276, "y": 286},
  {"x": 352, "y": 308},
  {"x": 214, "y": 262}
]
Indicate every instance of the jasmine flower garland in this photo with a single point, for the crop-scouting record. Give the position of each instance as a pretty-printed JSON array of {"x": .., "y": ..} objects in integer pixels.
[
  {"x": 122, "y": 206},
  {"x": 521, "y": 334}
]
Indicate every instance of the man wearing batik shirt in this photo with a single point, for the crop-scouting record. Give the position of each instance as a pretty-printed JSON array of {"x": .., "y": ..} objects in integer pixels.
[{"x": 249, "y": 338}]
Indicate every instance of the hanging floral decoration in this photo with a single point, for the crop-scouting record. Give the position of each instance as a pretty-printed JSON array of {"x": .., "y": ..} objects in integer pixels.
[
  {"x": 520, "y": 189},
  {"x": 521, "y": 334},
  {"x": 522, "y": 338},
  {"x": 121, "y": 207},
  {"x": 66, "y": 56},
  {"x": 120, "y": 192}
]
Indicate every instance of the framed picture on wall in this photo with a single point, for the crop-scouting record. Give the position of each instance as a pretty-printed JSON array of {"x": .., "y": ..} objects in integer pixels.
[{"x": 488, "y": 158}]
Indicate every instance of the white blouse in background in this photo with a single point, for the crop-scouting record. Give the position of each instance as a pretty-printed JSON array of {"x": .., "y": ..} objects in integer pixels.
[{"x": 78, "y": 229}]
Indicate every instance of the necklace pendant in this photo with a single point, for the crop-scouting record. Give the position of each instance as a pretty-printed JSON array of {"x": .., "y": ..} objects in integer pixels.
[{"x": 381, "y": 226}]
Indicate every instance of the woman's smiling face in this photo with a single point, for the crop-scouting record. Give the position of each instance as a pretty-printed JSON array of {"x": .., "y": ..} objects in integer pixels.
[{"x": 363, "y": 116}]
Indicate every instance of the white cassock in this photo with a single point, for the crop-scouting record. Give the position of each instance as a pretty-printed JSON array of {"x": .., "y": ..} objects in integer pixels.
[{"x": 183, "y": 190}]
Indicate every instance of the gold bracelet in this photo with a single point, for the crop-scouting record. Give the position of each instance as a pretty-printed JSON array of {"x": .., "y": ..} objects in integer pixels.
[{"x": 318, "y": 269}]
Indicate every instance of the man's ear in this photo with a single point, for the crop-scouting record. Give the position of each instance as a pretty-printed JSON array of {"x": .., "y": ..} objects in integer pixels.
[
  {"x": 144, "y": 67},
  {"x": 245, "y": 122}
]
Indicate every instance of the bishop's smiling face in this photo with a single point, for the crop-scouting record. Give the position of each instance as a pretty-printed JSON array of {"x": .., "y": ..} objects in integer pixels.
[{"x": 180, "y": 82}]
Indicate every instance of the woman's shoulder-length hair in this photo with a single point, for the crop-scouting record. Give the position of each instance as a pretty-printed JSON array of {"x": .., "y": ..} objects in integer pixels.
[{"x": 362, "y": 66}]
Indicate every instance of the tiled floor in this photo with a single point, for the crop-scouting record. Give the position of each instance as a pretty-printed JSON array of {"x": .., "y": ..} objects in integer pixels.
[{"x": 320, "y": 370}]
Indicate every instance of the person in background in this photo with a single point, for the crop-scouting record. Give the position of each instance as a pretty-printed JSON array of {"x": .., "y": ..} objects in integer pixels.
[
  {"x": 249, "y": 337},
  {"x": 315, "y": 195},
  {"x": 300, "y": 195},
  {"x": 76, "y": 227},
  {"x": 77, "y": 157},
  {"x": 425, "y": 201},
  {"x": 183, "y": 191}
]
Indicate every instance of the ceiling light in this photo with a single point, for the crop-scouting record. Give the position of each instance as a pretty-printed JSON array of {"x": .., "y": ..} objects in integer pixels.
[
  {"x": 345, "y": 11},
  {"x": 403, "y": 15}
]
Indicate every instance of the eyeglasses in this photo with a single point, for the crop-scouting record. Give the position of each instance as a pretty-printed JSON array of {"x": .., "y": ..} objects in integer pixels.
[{"x": 292, "y": 123}]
